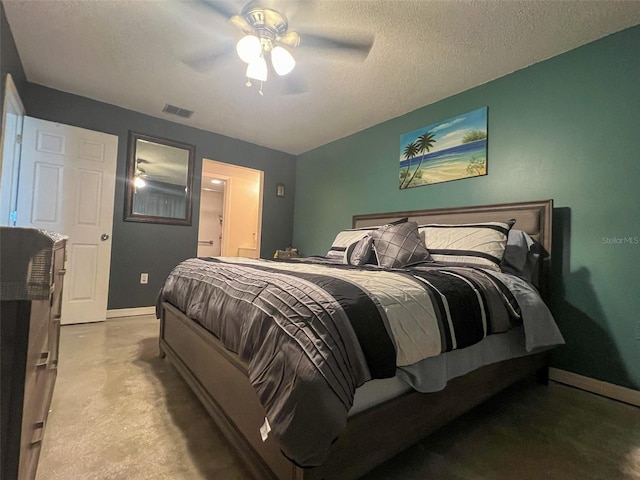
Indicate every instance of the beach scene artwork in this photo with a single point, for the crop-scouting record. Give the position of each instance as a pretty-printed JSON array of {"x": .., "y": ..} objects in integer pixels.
[{"x": 449, "y": 150}]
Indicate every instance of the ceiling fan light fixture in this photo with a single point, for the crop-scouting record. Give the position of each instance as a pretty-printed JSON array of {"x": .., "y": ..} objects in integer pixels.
[
  {"x": 249, "y": 48},
  {"x": 139, "y": 183},
  {"x": 257, "y": 69},
  {"x": 283, "y": 62}
]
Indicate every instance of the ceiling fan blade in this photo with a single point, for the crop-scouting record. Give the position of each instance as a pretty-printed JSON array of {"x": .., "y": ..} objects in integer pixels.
[
  {"x": 220, "y": 7},
  {"x": 293, "y": 84},
  {"x": 361, "y": 46},
  {"x": 291, "y": 39},
  {"x": 240, "y": 22},
  {"x": 229, "y": 13},
  {"x": 204, "y": 63}
]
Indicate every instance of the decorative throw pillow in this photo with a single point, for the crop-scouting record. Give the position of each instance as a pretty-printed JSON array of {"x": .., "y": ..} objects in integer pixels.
[
  {"x": 347, "y": 238},
  {"x": 520, "y": 255},
  {"x": 397, "y": 245},
  {"x": 398, "y": 222},
  {"x": 344, "y": 239},
  {"x": 476, "y": 244},
  {"x": 360, "y": 252}
]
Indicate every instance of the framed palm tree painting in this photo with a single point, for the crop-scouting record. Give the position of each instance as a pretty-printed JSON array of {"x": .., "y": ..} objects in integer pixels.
[{"x": 449, "y": 150}]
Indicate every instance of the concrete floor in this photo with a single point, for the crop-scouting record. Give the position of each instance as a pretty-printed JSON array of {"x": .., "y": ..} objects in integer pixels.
[{"x": 121, "y": 412}]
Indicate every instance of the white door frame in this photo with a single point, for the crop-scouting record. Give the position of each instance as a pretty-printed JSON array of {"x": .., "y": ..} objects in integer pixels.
[{"x": 10, "y": 158}]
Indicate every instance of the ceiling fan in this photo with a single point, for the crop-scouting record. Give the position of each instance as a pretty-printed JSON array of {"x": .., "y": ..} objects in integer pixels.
[
  {"x": 267, "y": 42},
  {"x": 147, "y": 170}
]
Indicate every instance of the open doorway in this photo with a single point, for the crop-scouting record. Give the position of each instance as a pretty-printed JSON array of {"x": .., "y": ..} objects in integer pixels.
[{"x": 230, "y": 210}]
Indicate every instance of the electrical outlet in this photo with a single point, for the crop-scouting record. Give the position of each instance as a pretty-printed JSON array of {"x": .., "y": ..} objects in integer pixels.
[{"x": 144, "y": 278}]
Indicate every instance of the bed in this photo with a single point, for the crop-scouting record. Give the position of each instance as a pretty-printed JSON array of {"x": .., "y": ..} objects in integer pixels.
[{"x": 373, "y": 431}]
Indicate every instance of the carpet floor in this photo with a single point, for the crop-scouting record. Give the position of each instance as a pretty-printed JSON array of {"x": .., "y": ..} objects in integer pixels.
[{"x": 121, "y": 412}]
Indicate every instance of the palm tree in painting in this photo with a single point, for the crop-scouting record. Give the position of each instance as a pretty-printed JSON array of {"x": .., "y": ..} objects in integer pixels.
[
  {"x": 424, "y": 144},
  {"x": 474, "y": 135},
  {"x": 410, "y": 151}
]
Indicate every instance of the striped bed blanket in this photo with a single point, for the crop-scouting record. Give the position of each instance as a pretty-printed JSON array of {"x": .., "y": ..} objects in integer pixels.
[{"x": 313, "y": 330}]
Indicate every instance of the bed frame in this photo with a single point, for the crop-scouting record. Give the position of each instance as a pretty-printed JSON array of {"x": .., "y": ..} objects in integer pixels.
[{"x": 220, "y": 379}]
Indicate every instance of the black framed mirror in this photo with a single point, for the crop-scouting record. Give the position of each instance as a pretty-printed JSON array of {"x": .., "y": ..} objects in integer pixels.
[{"x": 159, "y": 180}]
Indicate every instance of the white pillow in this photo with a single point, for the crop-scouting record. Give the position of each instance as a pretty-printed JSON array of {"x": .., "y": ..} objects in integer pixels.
[
  {"x": 344, "y": 239},
  {"x": 475, "y": 244}
]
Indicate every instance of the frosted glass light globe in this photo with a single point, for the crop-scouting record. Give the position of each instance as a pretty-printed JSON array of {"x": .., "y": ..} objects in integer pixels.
[
  {"x": 248, "y": 48},
  {"x": 257, "y": 69},
  {"x": 283, "y": 62}
]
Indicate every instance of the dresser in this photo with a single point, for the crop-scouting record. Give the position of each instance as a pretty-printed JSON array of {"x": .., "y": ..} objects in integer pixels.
[{"x": 31, "y": 278}]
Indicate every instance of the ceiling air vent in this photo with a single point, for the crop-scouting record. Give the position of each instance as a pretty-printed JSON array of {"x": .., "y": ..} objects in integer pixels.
[{"x": 181, "y": 112}]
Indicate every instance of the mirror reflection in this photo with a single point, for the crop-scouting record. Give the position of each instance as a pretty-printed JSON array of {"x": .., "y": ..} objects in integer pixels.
[{"x": 159, "y": 180}]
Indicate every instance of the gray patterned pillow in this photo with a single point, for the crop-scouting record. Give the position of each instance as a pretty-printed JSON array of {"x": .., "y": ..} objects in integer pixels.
[
  {"x": 398, "y": 245},
  {"x": 359, "y": 253}
]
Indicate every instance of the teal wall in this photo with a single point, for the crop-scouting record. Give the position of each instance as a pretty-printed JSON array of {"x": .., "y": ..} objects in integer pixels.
[{"x": 568, "y": 129}]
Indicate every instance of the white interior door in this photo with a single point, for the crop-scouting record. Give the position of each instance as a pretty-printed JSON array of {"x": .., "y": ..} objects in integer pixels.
[{"x": 67, "y": 184}]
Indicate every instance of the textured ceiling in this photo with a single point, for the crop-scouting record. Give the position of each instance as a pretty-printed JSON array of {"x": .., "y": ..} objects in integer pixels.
[{"x": 135, "y": 54}]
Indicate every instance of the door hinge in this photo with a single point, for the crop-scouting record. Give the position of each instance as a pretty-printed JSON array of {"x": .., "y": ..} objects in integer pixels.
[
  {"x": 13, "y": 216},
  {"x": 19, "y": 139}
]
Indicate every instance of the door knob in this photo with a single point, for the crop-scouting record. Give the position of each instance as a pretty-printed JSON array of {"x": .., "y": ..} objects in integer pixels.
[{"x": 104, "y": 237}]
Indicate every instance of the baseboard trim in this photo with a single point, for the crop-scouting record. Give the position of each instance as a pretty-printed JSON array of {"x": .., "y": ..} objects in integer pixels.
[
  {"x": 616, "y": 392},
  {"x": 130, "y": 312}
]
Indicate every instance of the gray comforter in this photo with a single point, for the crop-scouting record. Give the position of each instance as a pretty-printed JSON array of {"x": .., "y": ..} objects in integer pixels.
[{"x": 312, "y": 331}]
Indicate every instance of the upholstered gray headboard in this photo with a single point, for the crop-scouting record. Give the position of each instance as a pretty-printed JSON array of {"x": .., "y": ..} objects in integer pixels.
[{"x": 532, "y": 217}]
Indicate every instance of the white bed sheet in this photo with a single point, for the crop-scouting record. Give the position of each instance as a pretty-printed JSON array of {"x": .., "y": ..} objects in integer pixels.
[{"x": 432, "y": 374}]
